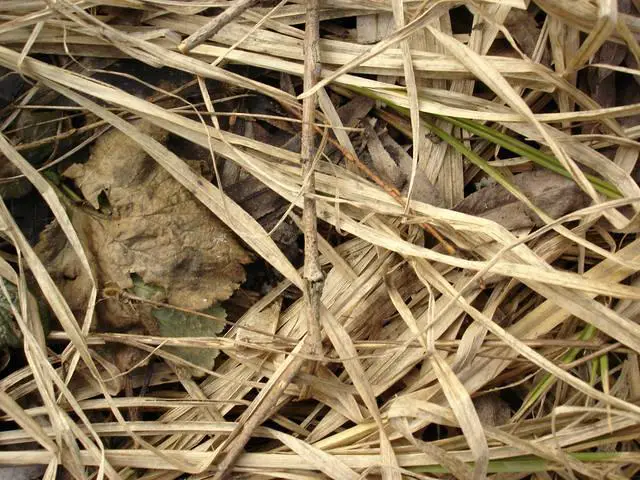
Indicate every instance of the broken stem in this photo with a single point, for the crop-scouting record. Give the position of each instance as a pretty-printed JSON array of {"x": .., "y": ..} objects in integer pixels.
[
  {"x": 215, "y": 25},
  {"x": 266, "y": 404},
  {"x": 390, "y": 189},
  {"x": 312, "y": 275}
]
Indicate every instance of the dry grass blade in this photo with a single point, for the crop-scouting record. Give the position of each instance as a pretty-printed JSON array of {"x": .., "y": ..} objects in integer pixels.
[
  {"x": 30, "y": 426},
  {"x": 501, "y": 87},
  {"x": 606, "y": 23},
  {"x": 343, "y": 345},
  {"x": 263, "y": 406},
  {"x": 416, "y": 297},
  {"x": 429, "y": 272},
  {"x": 210, "y": 29},
  {"x": 412, "y": 92},
  {"x": 380, "y": 47},
  {"x": 465, "y": 412},
  {"x": 67, "y": 429}
]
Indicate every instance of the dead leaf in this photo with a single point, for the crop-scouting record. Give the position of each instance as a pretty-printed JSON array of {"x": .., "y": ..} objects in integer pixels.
[
  {"x": 10, "y": 335},
  {"x": 354, "y": 111},
  {"x": 602, "y": 81},
  {"x": 5, "y": 358},
  {"x": 267, "y": 207},
  {"x": 525, "y": 30},
  {"x": 351, "y": 114},
  {"x": 22, "y": 472},
  {"x": 382, "y": 162},
  {"x": 492, "y": 410},
  {"x": 628, "y": 94},
  {"x": 250, "y": 331},
  {"x": 156, "y": 230},
  {"x": 63, "y": 265},
  {"x": 117, "y": 166},
  {"x": 174, "y": 323},
  {"x": 31, "y": 126},
  {"x": 552, "y": 193},
  {"x": 423, "y": 189},
  {"x": 12, "y": 188},
  {"x": 11, "y": 83}
]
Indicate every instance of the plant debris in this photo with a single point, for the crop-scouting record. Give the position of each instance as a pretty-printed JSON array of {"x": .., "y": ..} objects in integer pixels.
[
  {"x": 175, "y": 324},
  {"x": 485, "y": 327},
  {"x": 553, "y": 193},
  {"x": 140, "y": 221},
  {"x": 10, "y": 336}
]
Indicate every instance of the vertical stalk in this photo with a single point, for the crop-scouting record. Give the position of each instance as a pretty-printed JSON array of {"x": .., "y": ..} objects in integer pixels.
[{"x": 312, "y": 274}]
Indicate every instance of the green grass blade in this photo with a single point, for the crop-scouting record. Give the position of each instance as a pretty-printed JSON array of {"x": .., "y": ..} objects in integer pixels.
[
  {"x": 529, "y": 152},
  {"x": 531, "y": 464},
  {"x": 492, "y": 135},
  {"x": 548, "y": 380}
]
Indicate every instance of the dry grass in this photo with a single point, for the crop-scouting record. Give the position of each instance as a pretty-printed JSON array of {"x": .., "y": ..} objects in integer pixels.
[{"x": 412, "y": 336}]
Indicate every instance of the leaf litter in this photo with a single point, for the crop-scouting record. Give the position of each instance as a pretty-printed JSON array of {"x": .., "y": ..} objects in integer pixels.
[
  {"x": 141, "y": 226},
  {"x": 485, "y": 325},
  {"x": 552, "y": 193}
]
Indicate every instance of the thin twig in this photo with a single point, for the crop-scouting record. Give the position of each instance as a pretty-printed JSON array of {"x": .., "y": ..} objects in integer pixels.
[
  {"x": 391, "y": 190},
  {"x": 312, "y": 275},
  {"x": 373, "y": 176},
  {"x": 261, "y": 408},
  {"x": 215, "y": 25},
  {"x": 266, "y": 404}
]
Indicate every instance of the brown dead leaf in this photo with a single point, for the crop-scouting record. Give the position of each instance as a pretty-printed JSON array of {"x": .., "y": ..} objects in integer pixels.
[
  {"x": 13, "y": 188},
  {"x": 11, "y": 83},
  {"x": 117, "y": 167},
  {"x": 382, "y": 162},
  {"x": 492, "y": 410},
  {"x": 156, "y": 230},
  {"x": 267, "y": 207},
  {"x": 523, "y": 27},
  {"x": 423, "y": 189},
  {"x": 30, "y": 128},
  {"x": 352, "y": 112},
  {"x": 552, "y": 193},
  {"x": 602, "y": 81},
  {"x": 628, "y": 94}
]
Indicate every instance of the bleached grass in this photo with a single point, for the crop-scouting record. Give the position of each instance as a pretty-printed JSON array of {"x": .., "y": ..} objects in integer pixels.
[{"x": 407, "y": 341}]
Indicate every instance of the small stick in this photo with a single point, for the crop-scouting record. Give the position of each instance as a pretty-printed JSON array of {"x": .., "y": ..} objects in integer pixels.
[
  {"x": 390, "y": 189},
  {"x": 312, "y": 274},
  {"x": 266, "y": 404},
  {"x": 215, "y": 25}
]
